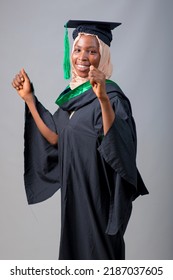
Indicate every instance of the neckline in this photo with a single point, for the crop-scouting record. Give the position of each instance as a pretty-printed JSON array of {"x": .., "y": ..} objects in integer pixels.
[{"x": 68, "y": 94}]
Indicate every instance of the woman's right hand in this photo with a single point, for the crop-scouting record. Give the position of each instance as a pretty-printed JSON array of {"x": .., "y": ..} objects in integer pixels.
[{"x": 22, "y": 84}]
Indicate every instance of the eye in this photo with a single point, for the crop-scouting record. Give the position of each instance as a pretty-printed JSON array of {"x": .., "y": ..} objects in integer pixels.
[
  {"x": 77, "y": 50},
  {"x": 92, "y": 51}
]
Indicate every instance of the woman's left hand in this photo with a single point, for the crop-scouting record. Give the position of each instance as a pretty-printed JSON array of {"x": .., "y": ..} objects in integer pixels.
[{"x": 97, "y": 80}]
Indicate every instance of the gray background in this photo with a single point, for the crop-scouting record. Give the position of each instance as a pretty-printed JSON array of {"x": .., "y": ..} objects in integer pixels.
[{"x": 31, "y": 36}]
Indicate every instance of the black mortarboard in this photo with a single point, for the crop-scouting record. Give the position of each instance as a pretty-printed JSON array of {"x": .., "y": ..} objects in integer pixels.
[{"x": 100, "y": 28}]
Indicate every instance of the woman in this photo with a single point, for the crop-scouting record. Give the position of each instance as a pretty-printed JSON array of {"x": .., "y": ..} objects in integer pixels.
[{"x": 87, "y": 148}]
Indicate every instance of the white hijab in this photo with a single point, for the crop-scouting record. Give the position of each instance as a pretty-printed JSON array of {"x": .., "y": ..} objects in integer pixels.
[{"x": 105, "y": 64}]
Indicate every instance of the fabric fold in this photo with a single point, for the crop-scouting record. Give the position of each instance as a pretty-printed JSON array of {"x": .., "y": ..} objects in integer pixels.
[{"x": 40, "y": 158}]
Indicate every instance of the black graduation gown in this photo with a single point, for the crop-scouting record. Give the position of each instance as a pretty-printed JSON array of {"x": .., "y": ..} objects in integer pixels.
[{"x": 97, "y": 174}]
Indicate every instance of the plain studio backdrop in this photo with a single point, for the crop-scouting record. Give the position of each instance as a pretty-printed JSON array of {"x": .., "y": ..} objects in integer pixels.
[{"x": 31, "y": 36}]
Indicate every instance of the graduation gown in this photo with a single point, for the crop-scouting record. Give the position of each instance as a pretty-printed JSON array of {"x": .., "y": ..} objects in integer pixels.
[{"x": 97, "y": 173}]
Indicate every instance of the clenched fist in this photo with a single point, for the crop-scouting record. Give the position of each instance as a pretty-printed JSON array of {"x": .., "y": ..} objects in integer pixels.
[{"x": 22, "y": 84}]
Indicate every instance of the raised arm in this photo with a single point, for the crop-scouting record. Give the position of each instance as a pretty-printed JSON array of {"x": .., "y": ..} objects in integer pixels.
[
  {"x": 22, "y": 84},
  {"x": 97, "y": 80}
]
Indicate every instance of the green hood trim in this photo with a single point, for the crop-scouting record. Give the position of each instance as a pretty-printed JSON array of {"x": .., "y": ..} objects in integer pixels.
[{"x": 65, "y": 97}]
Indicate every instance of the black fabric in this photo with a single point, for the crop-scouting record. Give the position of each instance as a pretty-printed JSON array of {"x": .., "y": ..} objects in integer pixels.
[
  {"x": 104, "y": 34},
  {"x": 41, "y": 159},
  {"x": 99, "y": 28},
  {"x": 97, "y": 174}
]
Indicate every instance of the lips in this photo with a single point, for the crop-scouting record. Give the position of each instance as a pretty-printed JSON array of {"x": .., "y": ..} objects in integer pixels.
[{"x": 82, "y": 67}]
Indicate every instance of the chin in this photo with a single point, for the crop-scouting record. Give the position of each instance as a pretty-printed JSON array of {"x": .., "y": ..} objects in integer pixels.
[{"x": 82, "y": 75}]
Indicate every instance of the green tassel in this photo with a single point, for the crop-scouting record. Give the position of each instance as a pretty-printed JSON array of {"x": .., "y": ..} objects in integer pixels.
[{"x": 66, "y": 63}]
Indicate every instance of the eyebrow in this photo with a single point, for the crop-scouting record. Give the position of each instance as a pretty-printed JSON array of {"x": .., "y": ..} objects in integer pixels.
[{"x": 89, "y": 47}]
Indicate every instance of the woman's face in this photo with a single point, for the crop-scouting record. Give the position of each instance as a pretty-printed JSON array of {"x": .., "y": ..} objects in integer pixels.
[{"x": 85, "y": 53}]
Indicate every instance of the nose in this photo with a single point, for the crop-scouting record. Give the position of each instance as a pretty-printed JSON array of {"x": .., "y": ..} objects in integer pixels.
[{"x": 82, "y": 55}]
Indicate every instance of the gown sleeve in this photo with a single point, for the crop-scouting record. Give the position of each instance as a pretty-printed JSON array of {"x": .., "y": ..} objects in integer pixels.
[
  {"x": 40, "y": 158},
  {"x": 118, "y": 149}
]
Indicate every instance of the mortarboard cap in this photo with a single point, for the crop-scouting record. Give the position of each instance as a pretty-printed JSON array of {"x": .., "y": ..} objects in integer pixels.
[{"x": 100, "y": 28}]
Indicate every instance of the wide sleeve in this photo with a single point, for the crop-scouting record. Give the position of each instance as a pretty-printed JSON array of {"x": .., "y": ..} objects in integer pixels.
[
  {"x": 118, "y": 149},
  {"x": 40, "y": 159}
]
